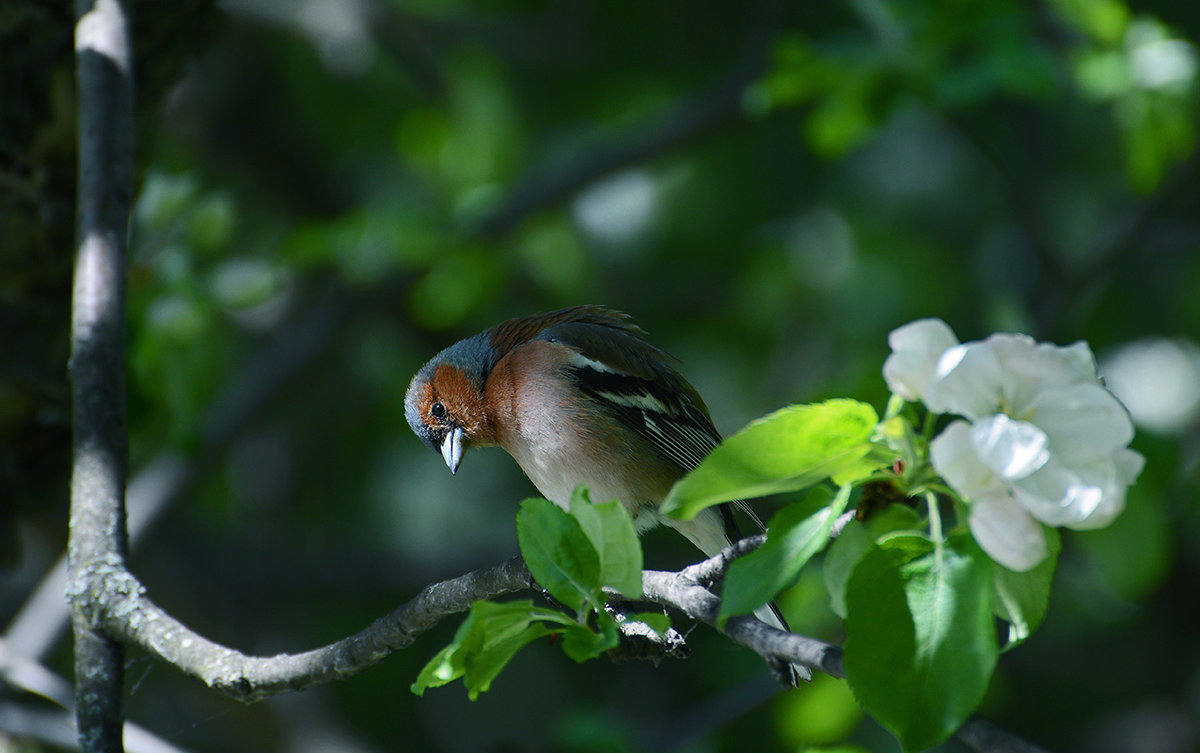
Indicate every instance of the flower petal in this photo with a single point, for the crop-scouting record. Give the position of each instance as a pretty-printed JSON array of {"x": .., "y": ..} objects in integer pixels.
[
  {"x": 1129, "y": 465},
  {"x": 967, "y": 381},
  {"x": 1080, "y": 361},
  {"x": 1030, "y": 367},
  {"x": 1084, "y": 422},
  {"x": 1045, "y": 362},
  {"x": 1113, "y": 476},
  {"x": 916, "y": 347},
  {"x": 1007, "y": 533},
  {"x": 1013, "y": 449},
  {"x": 954, "y": 458},
  {"x": 1063, "y": 496}
]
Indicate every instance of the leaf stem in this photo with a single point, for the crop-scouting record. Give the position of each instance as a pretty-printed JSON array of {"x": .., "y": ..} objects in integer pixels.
[{"x": 928, "y": 425}]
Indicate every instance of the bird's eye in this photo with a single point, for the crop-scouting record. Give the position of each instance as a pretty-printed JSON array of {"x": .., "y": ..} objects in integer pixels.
[{"x": 438, "y": 410}]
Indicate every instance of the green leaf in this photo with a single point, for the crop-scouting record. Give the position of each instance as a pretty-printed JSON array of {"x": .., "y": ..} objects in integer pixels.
[
  {"x": 485, "y": 642},
  {"x": 610, "y": 529},
  {"x": 486, "y": 664},
  {"x": 559, "y": 555},
  {"x": 439, "y": 671},
  {"x": 855, "y": 540},
  {"x": 844, "y": 554},
  {"x": 920, "y": 645},
  {"x": 1022, "y": 598},
  {"x": 790, "y": 449},
  {"x": 795, "y": 534},
  {"x": 580, "y": 643}
]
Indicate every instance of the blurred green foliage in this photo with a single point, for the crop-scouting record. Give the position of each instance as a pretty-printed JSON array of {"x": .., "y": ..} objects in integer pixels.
[{"x": 332, "y": 192}]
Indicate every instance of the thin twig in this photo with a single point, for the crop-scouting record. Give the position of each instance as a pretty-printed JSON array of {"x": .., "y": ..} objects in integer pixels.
[
  {"x": 696, "y": 601},
  {"x": 712, "y": 570}
]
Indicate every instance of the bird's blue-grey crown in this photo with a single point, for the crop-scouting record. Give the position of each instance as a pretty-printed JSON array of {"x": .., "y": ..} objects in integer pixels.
[{"x": 473, "y": 357}]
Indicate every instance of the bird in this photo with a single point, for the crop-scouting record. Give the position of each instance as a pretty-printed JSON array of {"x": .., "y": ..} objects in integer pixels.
[{"x": 577, "y": 396}]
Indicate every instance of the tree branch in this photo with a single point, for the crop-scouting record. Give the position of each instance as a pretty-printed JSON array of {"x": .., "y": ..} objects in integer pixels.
[
  {"x": 127, "y": 614},
  {"x": 693, "y": 599},
  {"x": 712, "y": 570},
  {"x": 689, "y": 119},
  {"x": 97, "y": 367}
]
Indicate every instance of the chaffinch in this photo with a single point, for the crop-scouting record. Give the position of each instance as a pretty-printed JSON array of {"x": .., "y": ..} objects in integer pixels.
[{"x": 576, "y": 396}]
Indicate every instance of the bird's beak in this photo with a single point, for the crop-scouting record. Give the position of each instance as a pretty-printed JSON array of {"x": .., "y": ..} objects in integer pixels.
[{"x": 453, "y": 448}]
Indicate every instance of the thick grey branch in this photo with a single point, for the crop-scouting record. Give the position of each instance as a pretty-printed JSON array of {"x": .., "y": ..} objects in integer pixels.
[
  {"x": 97, "y": 367},
  {"x": 128, "y": 614}
]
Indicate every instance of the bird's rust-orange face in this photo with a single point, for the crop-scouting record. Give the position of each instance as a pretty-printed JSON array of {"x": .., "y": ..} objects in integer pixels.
[{"x": 461, "y": 399}]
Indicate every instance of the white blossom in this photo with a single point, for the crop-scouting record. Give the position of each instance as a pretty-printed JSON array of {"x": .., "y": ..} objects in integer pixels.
[
  {"x": 1040, "y": 440},
  {"x": 915, "y": 350}
]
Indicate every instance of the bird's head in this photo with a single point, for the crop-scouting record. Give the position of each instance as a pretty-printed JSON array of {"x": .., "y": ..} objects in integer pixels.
[{"x": 444, "y": 404}]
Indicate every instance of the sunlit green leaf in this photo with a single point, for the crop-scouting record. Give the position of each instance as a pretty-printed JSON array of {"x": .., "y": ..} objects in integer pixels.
[
  {"x": 788, "y": 450},
  {"x": 843, "y": 119},
  {"x": 484, "y": 643}
]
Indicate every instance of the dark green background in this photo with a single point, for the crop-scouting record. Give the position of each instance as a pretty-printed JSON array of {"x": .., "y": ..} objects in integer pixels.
[{"x": 330, "y": 192}]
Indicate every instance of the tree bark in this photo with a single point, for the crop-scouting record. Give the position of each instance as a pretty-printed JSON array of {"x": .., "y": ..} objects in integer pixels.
[{"x": 97, "y": 538}]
